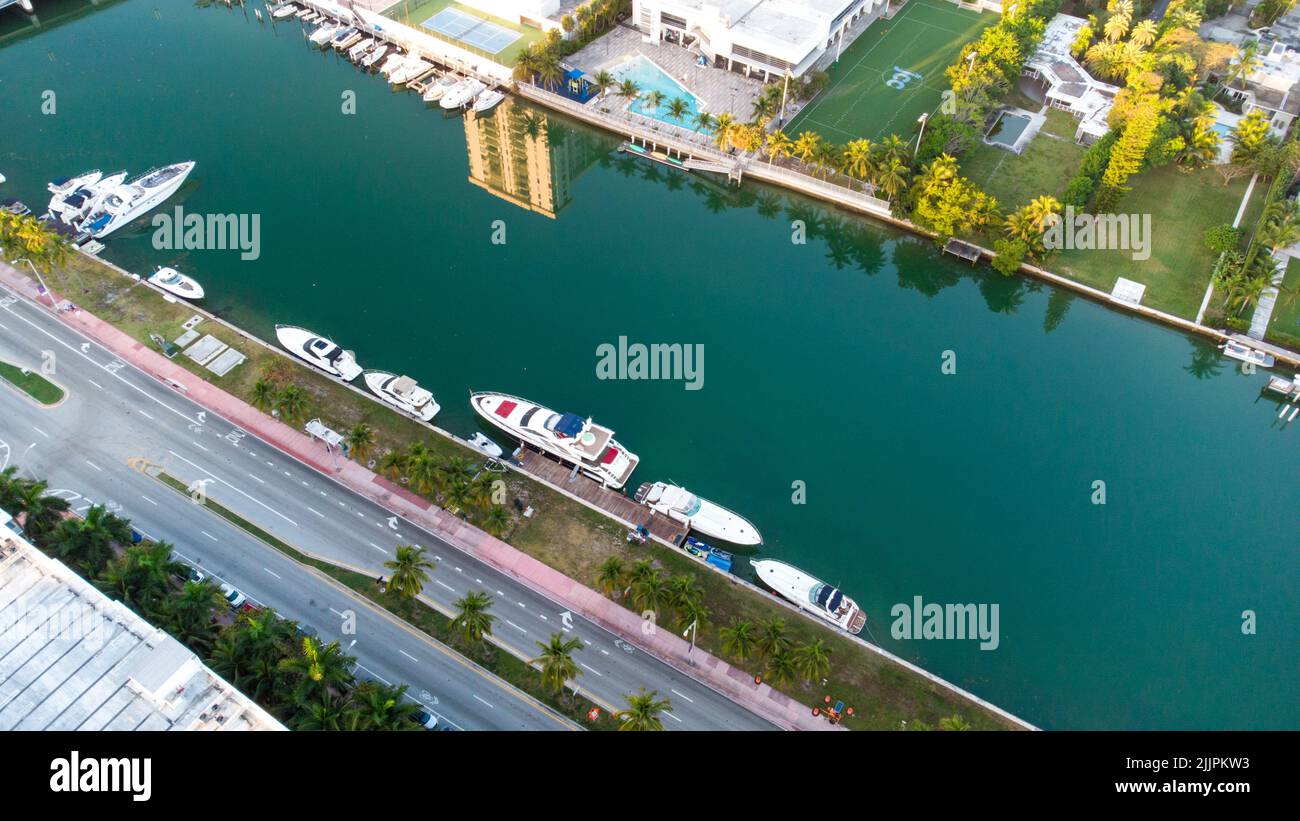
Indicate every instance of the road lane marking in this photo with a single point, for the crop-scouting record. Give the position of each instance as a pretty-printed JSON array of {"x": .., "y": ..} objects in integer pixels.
[
  {"x": 593, "y": 670},
  {"x": 683, "y": 695},
  {"x": 273, "y": 573},
  {"x": 673, "y": 717},
  {"x": 542, "y": 617},
  {"x": 517, "y": 627},
  {"x": 488, "y": 703},
  {"x": 377, "y": 547},
  {"x": 263, "y": 481},
  {"x": 444, "y": 584},
  {"x": 96, "y": 384},
  {"x": 147, "y": 499},
  {"x": 200, "y": 447},
  {"x": 144, "y": 413},
  {"x": 317, "y": 512},
  {"x": 376, "y": 675},
  {"x": 41, "y": 432},
  {"x": 408, "y": 655},
  {"x": 232, "y": 487},
  {"x": 209, "y": 535},
  {"x": 95, "y": 466}
]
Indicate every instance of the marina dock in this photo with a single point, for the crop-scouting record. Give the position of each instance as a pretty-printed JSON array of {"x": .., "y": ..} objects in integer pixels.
[{"x": 610, "y": 502}]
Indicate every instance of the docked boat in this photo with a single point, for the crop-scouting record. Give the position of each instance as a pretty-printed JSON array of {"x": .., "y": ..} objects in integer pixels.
[
  {"x": 324, "y": 32},
  {"x": 359, "y": 48},
  {"x": 488, "y": 99},
  {"x": 461, "y": 94},
  {"x": 305, "y": 13},
  {"x": 680, "y": 505},
  {"x": 284, "y": 10},
  {"x": 345, "y": 38},
  {"x": 402, "y": 393},
  {"x": 811, "y": 594},
  {"x": 319, "y": 351},
  {"x": 374, "y": 56},
  {"x": 63, "y": 186},
  {"x": 412, "y": 68},
  {"x": 395, "y": 61},
  {"x": 1245, "y": 353},
  {"x": 72, "y": 199},
  {"x": 119, "y": 204},
  {"x": 720, "y": 559},
  {"x": 486, "y": 445},
  {"x": 177, "y": 284},
  {"x": 435, "y": 91},
  {"x": 566, "y": 436}
]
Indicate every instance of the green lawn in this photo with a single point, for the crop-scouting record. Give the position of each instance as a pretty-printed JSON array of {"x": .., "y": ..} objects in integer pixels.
[
  {"x": 1045, "y": 167},
  {"x": 1284, "y": 325},
  {"x": 31, "y": 383},
  {"x": 924, "y": 40},
  {"x": 414, "y": 12},
  {"x": 1182, "y": 205}
]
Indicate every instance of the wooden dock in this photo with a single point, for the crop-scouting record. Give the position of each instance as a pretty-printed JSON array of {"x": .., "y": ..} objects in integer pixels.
[
  {"x": 612, "y": 503},
  {"x": 962, "y": 250}
]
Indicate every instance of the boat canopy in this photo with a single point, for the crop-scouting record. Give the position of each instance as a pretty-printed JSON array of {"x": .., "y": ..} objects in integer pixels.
[
  {"x": 403, "y": 386},
  {"x": 569, "y": 424},
  {"x": 829, "y": 597}
]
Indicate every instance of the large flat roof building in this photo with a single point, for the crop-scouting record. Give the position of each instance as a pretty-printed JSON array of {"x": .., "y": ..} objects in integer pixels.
[
  {"x": 767, "y": 37},
  {"x": 73, "y": 659}
]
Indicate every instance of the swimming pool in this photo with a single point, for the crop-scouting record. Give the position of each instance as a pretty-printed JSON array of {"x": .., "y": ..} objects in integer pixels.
[
  {"x": 1008, "y": 129},
  {"x": 649, "y": 77}
]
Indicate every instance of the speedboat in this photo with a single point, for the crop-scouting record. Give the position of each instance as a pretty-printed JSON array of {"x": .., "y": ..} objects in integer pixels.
[
  {"x": 174, "y": 282},
  {"x": 412, "y": 68},
  {"x": 284, "y": 10},
  {"x": 63, "y": 186},
  {"x": 461, "y": 93},
  {"x": 394, "y": 61},
  {"x": 375, "y": 56},
  {"x": 681, "y": 505},
  {"x": 319, "y": 351},
  {"x": 69, "y": 202},
  {"x": 1245, "y": 353},
  {"x": 488, "y": 99},
  {"x": 811, "y": 594},
  {"x": 435, "y": 91},
  {"x": 119, "y": 204},
  {"x": 566, "y": 436},
  {"x": 345, "y": 38},
  {"x": 486, "y": 445},
  {"x": 402, "y": 393},
  {"x": 324, "y": 32},
  {"x": 360, "y": 48}
]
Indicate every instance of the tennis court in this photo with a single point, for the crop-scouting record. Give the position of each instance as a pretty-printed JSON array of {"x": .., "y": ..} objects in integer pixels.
[
  {"x": 893, "y": 73},
  {"x": 477, "y": 32}
]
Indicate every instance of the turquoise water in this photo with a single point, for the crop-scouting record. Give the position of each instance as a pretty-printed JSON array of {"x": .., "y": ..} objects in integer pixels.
[
  {"x": 650, "y": 77},
  {"x": 1008, "y": 129},
  {"x": 822, "y": 360}
]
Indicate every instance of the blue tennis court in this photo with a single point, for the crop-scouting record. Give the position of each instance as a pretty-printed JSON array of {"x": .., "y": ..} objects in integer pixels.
[{"x": 477, "y": 32}]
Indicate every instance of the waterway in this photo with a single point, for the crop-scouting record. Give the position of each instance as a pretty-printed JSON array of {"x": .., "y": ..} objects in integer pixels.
[{"x": 822, "y": 361}]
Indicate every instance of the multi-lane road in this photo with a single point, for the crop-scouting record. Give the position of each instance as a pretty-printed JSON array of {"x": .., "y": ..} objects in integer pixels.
[{"x": 116, "y": 419}]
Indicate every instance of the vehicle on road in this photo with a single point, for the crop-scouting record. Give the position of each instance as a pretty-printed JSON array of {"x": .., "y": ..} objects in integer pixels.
[
  {"x": 426, "y": 720},
  {"x": 233, "y": 596}
]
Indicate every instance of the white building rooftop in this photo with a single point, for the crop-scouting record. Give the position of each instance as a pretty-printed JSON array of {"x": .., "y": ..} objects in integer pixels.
[
  {"x": 73, "y": 659},
  {"x": 1069, "y": 85}
]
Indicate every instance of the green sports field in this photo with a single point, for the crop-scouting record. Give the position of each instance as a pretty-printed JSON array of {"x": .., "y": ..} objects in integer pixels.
[{"x": 893, "y": 73}]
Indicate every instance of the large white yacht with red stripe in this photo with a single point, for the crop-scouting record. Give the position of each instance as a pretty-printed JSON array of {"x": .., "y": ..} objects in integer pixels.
[{"x": 566, "y": 436}]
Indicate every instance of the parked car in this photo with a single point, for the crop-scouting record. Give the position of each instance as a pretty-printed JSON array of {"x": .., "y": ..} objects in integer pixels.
[
  {"x": 197, "y": 575},
  {"x": 233, "y": 596},
  {"x": 426, "y": 720}
]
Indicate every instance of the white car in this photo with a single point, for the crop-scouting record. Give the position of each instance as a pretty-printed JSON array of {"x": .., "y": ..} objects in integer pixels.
[
  {"x": 233, "y": 596},
  {"x": 426, "y": 720}
]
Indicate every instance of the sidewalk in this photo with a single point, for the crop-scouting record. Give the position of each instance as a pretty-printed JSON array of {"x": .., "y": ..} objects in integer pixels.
[{"x": 667, "y": 646}]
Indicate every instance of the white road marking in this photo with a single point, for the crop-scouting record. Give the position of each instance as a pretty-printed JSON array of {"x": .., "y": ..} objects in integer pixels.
[
  {"x": 683, "y": 695},
  {"x": 41, "y": 432},
  {"x": 200, "y": 447},
  {"x": 673, "y": 717},
  {"x": 593, "y": 670},
  {"x": 95, "y": 466},
  {"x": 408, "y": 655},
  {"x": 209, "y": 535},
  {"x": 604, "y": 651},
  {"x": 317, "y": 512},
  {"x": 542, "y": 617},
  {"x": 521, "y": 604},
  {"x": 147, "y": 499},
  {"x": 335, "y": 612},
  {"x": 485, "y": 702},
  {"x": 273, "y": 573},
  {"x": 232, "y": 487},
  {"x": 96, "y": 384},
  {"x": 255, "y": 476},
  {"x": 376, "y": 675},
  {"x": 444, "y": 584},
  {"x": 144, "y": 413},
  {"x": 377, "y": 547}
]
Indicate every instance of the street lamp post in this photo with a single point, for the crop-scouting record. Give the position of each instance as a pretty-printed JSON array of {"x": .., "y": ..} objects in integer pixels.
[
  {"x": 923, "y": 119},
  {"x": 38, "y": 278}
]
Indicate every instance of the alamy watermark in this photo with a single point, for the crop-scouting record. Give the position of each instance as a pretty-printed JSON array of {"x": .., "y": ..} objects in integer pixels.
[
  {"x": 675, "y": 361},
  {"x": 919, "y": 620},
  {"x": 1099, "y": 232},
  {"x": 180, "y": 231}
]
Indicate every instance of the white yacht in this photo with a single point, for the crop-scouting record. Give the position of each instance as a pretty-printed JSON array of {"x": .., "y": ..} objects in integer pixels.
[
  {"x": 176, "y": 283},
  {"x": 393, "y": 62},
  {"x": 680, "y": 505},
  {"x": 119, "y": 204},
  {"x": 402, "y": 393},
  {"x": 344, "y": 38},
  {"x": 71, "y": 199},
  {"x": 460, "y": 94},
  {"x": 412, "y": 68},
  {"x": 66, "y": 185},
  {"x": 488, "y": 99},
  {"x": 319, "y": 351},
  {"x": 284, "y": 10},
  {"x": 375, "y": 56},
  {"x": 435, "y": 91},
  {"x": 811, "y": 594},
  {"x": 565, "y": 436},
  {"x": 324, "y": 32},
  {"x": 1245, "y": 353},
  {"x": 360, "y": 48}
]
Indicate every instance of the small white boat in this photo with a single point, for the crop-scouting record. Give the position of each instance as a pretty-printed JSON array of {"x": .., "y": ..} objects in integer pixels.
[
  {"x": 395, "y": 61},
  {"x": 176, "y": 283},
  {"x": 412, "y": 68},
  {"x": 486, "y": 445},
  {"x": 680, "y": 505},
  {"x": 324, "y": 32},
  {"x": 488, "y": 99},
  {"x": 402, "y": 393},
  {"x": 319, "y": 351},
  {"x": 1245, "y": 353},
  {"x": 344, "y": 38},
  {"x": 811, "y": 594},
  {"x": 435, "y": 91},
  {"x": 358, "y": 49},
  {"x": 284, "y": 10},
  {"x": 460, "y": 94},
  {"x": 375, "y": 56}
]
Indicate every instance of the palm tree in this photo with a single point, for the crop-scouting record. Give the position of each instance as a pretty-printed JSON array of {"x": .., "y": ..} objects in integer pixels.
[
  {"x": 691, "y": 612},
  {"x": 41, "y": 512},
  {"x": 612, "y": 575},
  {"x": 678, "y": 108},
  {"x": 188, "y": 615},
  {"x": 557, "y": 661},
  {"x": 653, "y": 99},
  {"x": 1247, "y": 62},
  {"x": 649, "y": 592},
  {"x": 682, "y": 590},
  {"x": 628, "y": 90},
  {"x": 321, "y": 713},
  {"x": 497, "y": 520},
  {"x": 410, "y": 571},
  {"x": 812, "y": 660},
  {"x": 457, "y": 495},
  {"x": 773, "y": 637},
  {"x": 291, "y": 402},
  {"x": 738, "y": 639},
  {"x": 780, "y": 667},
  {"x": 456, "y": 469},
  {"x": 90, "y": 542},
  {"x": 473, "y": 621},
  {"x": 360, "y": 440},
  {"x": 859, "y": 160},
  {"x": 392, "y": 463},
  {"x": 954, "y": 722},
  {"x": 704, "y": 121},
  {"x": 1041, "y": 210},
  {"x": 778, "y": 145},
  {"x": 805, "y": 146},
  {"x": 602, "y": 81},
  {"x": 423, "y": 470},
  {"x": 376, "y": 706},
  {"x": 723, "y": 125},
  {"x": 263, "y": 394},
  {"x": 892, "y": 177},
  {"x": 318, "y": 669},
  {"x": 643, "y": 711},
  {"x": 1143, "y": 34}
]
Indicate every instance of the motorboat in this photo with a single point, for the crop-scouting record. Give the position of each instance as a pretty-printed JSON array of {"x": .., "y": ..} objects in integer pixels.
[
  {"x": 1245, "y": 353},
  {"x": 412, "y": 68},
  {"x": 440, "y": 88},
  {"x": 485, "y": 445},
  {"x": 394, "y": 61},
  {"x": 680, "y": 505},
  {"x": 460, "y": 94},
  {"x": 177, "y": 284},
  {"x": 63, "y": 186},
  {"x": 344, "y": 38},
  {"x": 811, "y": 594},
  {"x": 375, "y": 56},
  {"x": 72, "y": 199},
  {"x": 317, "y": 350},
  {"x": 488, "y": 99},
  {"x": 324, "y": 32},
  {"x": 402, "y": 393},
  {"x": 284, "y": 10},
  {"x": 120, "y": 204},
  {"x": 566, "y": 436},
  {"x": 359, "y": 48}
]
